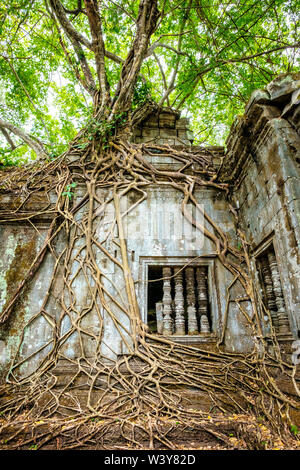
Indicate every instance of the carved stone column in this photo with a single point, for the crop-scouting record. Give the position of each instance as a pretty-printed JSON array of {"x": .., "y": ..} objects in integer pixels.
[
  {"x": 270, "y": 296},
  {"x": 159, "y": 317},
  {"x": 179, "y": 303},
  {"x": 202, "y": 299},
  {"x": 167, "y": 303},
  {"x": 283, "y": 322},
  {"x": 191, "y": 301}
]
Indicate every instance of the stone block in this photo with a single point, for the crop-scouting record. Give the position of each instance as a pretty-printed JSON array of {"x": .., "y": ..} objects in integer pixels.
[
  {"x": 283, "y": 86},
  {"x": 167, "y": 133},
  {"x": 151, "y": 121},
  {"x": 150, "y": 133},
  {"x": 166, "y": 141},
  {"x": 167, "y": 120},
  {"x": 182, "y": 133},
  {"x": 185, "y": 142},
  {"x": 137, "y": 132},
  {"x": 292, "y": 189},
  {"x": 294, "y": 212},
  {"x": 182, "y": 123},
  {"x": 293, "y": 104},
  {"x": 258, "y": 97},
  {"x": 73, "y": 158},
  {"x": 185, "y": 135}
]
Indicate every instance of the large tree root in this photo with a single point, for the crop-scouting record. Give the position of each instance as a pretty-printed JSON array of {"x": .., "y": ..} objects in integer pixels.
[{"x": 138, "y": 398}]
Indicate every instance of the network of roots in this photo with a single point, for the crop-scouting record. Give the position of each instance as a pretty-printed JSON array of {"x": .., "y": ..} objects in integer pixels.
[{"x": 133, "y": 396}]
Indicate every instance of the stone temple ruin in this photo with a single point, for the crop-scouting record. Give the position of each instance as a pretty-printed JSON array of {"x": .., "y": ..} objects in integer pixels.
[{"x": 181, "y": 285}]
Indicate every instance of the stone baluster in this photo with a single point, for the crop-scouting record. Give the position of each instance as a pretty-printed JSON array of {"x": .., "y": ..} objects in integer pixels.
[
  {"x": 202, "y": 299},
  {"x": 270, "y": 296},
  {"x": 167, "y": 303},
  {"x": 283, "y": 322},
  {"x": 179, "y": 303},
  {"x": 191, "y": 301},
  {"x": 159, "y": 317}
]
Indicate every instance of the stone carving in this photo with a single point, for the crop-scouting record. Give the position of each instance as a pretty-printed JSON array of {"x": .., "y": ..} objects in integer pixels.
[
  {"x": 159, "y": 317},
  {"x": 204, "y": 324},
  {"x": 283, "y": 322},
  {"x": 179, "y": 303},
  {"x": 270, "y": 296},
  {"x": 171, "y": 314},
  {"x": 191, "y": 301},
  {"x": 202, "y": 299},
  {"x": 167, "y": 302}
]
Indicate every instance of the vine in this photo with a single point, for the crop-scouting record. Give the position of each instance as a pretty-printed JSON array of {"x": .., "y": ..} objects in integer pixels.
[{"x": 132, "y": 398}]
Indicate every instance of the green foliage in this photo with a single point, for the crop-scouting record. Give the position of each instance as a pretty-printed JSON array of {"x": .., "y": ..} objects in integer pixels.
[
  {"x": 68, "y": 193},
  {"x": 294, "y": 429},
  {"x": 17, "y": 157},
  {"x": 209, "y": 58},
  {"x": 102, "y": 129},
  {"x": 142, "y": 93}
]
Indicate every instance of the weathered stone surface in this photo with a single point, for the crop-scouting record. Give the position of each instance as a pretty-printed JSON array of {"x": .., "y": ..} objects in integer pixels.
[
  {"x": 261, "y": 166},
  {"x": 164, "y": 128},
  {"x": 258, "y": 97},
  {"x": 283, "y": 86},
  {"x": 262, "y": 163},
  {"x": 167, "y": 120},
  {"x": 182, "y": 123}
]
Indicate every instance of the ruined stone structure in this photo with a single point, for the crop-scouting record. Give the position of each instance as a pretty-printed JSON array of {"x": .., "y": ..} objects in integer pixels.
[{"x": 181, "y": 285}]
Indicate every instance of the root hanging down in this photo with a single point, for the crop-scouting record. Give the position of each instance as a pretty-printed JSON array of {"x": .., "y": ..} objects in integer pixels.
[{"x": 137, "y": 398}]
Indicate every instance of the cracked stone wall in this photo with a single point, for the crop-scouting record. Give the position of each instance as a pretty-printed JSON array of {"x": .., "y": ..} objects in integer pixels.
[{"x": 262, "y": 162}]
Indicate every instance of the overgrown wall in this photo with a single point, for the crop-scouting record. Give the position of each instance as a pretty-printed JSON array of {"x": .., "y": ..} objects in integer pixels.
[{"x": 262, "y": 163}]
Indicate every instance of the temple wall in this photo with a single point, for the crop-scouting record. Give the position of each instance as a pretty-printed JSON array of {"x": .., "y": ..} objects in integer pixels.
[
  {"x": 153, "y": 238},
  {"x": 261, "y": 166},
  {"x": 19, "y": 247},
  {"x": 263, "y": 148}
]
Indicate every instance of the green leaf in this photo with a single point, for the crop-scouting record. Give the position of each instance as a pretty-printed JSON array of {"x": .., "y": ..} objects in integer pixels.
[{"x": 294, "y": 429}]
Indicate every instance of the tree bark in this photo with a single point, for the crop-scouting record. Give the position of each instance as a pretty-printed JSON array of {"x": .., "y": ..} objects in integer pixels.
[{"x": 33, "y": 144}]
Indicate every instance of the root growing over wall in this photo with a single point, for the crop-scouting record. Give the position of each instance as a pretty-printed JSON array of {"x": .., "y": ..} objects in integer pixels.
[{"x": 137, "y": 396}]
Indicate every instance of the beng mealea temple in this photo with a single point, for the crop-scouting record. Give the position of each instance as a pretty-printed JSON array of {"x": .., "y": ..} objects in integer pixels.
[{"x": 184, "y": 292}]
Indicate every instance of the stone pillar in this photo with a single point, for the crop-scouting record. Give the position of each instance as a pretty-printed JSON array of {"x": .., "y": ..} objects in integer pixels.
[
  {"x": 179, "y": 303},
  {"x": 283, "y": 322},
  {"x": 191, "y": 301},
  {"x": 167, "y": 303},
  {"x": 270, "y": 296},
  {"x": 202, "y": 298},
  {"x": 159, "y": 317}
]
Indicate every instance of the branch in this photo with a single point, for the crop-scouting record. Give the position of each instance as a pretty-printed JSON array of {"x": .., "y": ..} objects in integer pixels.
[
  {"x": 163, "y": 75},
  {"x": 166, "y": 46},
  {"x": 275, "y": 49},
  {"x": 37, "y": 147},
  {"x": 123, "y": 10},
  {"x": 39, "y": 114},
  {"x": 176, "y": 67},
  {"x": 74, "y": 12},
  {"x": 77, "y": 40},
  {"x": 74, "y": 67},
  {"x": 146, "y": 24},
  {"x": 98, "y": 48},
  {"x": 219, "y": 63},
  {"x": 59, "y": 11},
  {"x": 113, "y": 57},
  {"x": 8, "y": 138}
]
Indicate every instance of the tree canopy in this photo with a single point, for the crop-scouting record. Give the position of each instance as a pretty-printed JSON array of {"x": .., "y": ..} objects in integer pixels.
[
  {"x": 63, "y": 62},
  {"x": 76, "y": 77}
]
